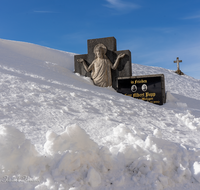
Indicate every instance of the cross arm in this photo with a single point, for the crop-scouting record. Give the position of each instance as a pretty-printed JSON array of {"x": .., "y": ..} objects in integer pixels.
[
  {"x": 117, "y": 61},
  {"x": 79, "y": 68}
]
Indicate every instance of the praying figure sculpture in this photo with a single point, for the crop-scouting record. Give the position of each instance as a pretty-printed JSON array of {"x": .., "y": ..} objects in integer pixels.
[{"x": 101, "y": 67}]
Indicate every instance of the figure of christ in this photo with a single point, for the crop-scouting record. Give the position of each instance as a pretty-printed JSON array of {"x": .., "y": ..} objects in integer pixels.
[{"x": 101, "y": 67}]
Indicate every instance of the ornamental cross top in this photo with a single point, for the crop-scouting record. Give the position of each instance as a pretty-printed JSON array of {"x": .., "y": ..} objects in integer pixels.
[{"x": 178, "y": 61}]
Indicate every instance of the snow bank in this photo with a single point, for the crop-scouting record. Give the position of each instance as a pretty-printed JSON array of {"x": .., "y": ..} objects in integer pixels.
[
  {"x": 74, "y": 161},
  {"x": 17, "y": 153},
  {"x": 154, "y": 162},
  {"x": 73, "y": 138},
  {"x": 190, "y": 120},
  {"x": 118, "y": 142},
  {"x": 71, "y": 159}
]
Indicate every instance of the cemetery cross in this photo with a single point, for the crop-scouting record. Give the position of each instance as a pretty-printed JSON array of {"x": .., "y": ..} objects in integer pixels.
[
  {"x": 103, "y": 63},
  {"x": 178, "y": 61}
]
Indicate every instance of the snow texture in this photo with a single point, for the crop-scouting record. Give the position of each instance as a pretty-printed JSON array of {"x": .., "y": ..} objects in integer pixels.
[{"x": 58, "y": 131}]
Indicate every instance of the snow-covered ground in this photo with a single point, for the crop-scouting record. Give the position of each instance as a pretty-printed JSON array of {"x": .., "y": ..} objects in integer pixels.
[{"x": 59, "y": 131}]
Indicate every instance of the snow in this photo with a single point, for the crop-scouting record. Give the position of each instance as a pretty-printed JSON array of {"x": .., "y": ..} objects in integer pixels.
[{"x": 58, "y": 131}]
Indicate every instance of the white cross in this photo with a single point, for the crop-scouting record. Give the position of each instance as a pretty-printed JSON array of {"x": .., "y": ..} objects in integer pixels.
[{"x": 178, "y": 61}]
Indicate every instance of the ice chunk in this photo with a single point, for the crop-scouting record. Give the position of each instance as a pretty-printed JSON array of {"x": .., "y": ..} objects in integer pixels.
[
  {"x": 196, "y": 171},
  {"x": 93, "y": 177}
]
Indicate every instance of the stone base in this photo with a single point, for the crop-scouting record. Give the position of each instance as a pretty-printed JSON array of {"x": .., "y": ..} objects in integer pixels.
[{"x": 179, "y": 72}]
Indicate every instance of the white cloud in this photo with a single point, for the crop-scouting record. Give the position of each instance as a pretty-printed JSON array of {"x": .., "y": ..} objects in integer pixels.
[
  {"x": 44, "y": 12},
  {"x": 192, "y": 17},
  {"x": 121, "y": 5}
]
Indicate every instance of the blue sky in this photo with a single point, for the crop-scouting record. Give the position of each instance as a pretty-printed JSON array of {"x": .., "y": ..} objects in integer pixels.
[{"x": 156, "y": 32}]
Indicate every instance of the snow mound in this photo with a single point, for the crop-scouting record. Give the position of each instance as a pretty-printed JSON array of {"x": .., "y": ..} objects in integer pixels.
[
  {"x": 73, "y": 160},
  {"x": 17, "y": 153},
  {"x": 73, "y": 138}
]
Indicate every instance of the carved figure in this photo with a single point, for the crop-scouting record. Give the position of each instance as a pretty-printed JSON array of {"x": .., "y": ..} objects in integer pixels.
[{"x": 101, "y": 67}]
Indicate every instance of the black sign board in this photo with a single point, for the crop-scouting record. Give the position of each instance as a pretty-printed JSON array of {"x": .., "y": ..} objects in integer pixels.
[{"x": 149, "y": 88}]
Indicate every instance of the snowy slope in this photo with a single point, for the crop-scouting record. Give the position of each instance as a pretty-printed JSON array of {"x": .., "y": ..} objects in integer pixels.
[{"x": 59, "y": 131}]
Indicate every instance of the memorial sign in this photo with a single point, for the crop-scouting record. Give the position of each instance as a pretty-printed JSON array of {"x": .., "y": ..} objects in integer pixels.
[{"x": 149, "y": 88}]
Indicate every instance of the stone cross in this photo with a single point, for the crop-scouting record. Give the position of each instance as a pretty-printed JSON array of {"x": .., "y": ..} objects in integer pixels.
[
  {"x": 124, "y": 68},
  {"x": 178, "y": 61}
]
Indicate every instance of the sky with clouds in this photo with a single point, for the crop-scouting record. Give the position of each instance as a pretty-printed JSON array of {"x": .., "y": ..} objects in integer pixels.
[{"x": 156, "y": 32}]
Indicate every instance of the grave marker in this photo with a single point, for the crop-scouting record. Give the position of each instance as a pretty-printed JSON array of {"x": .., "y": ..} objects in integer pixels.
[
  {"x": 178, "y": 61},
  {"x": 178, "y": 71},
  {"x": 149, "y": 88},
  {"x": 109, "y": 67},
  {"x": 124, "y": 68}
]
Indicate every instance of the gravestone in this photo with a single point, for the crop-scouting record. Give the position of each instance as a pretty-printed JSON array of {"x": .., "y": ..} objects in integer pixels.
[
  {"x": 104, "y": 63},
  {"x": 124, "y": 68},
  {"x": 149, "y": 88}
]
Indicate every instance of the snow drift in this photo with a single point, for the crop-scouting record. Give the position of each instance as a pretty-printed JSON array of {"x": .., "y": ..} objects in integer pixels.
[{"x": 59, "y": 131}]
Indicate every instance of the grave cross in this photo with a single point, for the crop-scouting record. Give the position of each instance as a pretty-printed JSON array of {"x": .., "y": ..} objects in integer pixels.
[
  {"x": 124, "y": 66},
  {"x": 178, "y": 61}
]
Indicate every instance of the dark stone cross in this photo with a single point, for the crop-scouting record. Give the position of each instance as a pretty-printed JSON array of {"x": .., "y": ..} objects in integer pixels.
[
  {"x": 178, "y": 61},
  {"x": 124, "y": 68}
]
